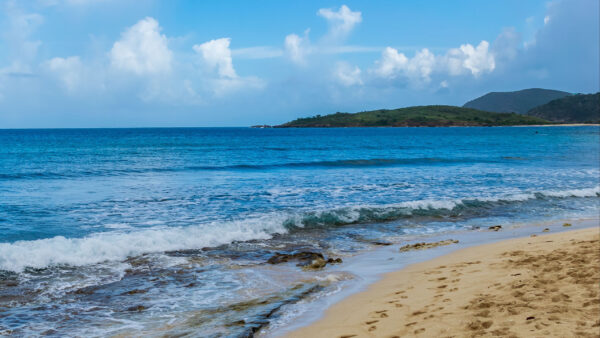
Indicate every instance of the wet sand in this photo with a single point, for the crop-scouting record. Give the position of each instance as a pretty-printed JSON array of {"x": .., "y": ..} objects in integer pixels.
[{"x": 540, "y": 286}]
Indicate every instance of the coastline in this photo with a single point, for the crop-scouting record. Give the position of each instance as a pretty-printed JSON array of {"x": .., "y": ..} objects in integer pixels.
[
  {"x": 561, "y": 125},
  {"x": 451, "y": 126},
  {"x": 489, "y": 295}
]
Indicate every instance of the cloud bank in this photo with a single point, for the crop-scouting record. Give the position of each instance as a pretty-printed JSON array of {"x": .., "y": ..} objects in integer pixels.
[{"x": 144, "y": 68}]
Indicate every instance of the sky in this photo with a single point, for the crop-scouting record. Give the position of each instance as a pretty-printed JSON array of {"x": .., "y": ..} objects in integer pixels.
[{"x": 146, "y": 63}]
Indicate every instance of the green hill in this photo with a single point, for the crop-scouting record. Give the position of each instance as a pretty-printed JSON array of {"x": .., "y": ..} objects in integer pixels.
[
  {"x": 515, "y": 102},
  {"x": 578, "y": 108},
  {"x": 420, "y": 116}
]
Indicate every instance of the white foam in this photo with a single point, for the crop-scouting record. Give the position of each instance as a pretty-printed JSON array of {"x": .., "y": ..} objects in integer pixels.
[
  {"x": 109, "y": 246},
  {"x": 591, "y": 192},
  {"x": 118, "y": 245}
]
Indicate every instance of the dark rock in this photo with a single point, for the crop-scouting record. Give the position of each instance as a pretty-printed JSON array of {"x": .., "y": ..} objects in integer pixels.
[
  {"x": 567, "y": 224},
  {"x": 316, "y": 264},
  {"x": 495, "y": 227},
  {"x": 334, "y": 260},
  {"x": 279, "y": 258},
  {"x": 423, "y": 245},
  {"x": 382, "y": 243},
  {"x": 136, "y": 308}
]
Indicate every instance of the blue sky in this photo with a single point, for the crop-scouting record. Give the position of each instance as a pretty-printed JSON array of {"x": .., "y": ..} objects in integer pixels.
[{"x": 121, "y": 63}]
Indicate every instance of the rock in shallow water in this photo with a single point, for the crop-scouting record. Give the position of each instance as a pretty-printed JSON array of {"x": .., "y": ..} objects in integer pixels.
[
  {"x": 316, "y": 264},
  {"x": 304, "y": 256},
  {"x": 423, "y": 245},
  {"x": 306, "y": 259}
]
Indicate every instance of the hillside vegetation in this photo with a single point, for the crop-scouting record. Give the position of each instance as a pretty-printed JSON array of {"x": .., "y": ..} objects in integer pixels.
[
  {"x": 515, "y": 102},
  {"x": 420, "y": 116},
  {"x": 578, "y": 108}
]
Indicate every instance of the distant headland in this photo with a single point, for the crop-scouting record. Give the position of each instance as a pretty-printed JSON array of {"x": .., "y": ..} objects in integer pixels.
[{"x": 525, "y": 107}]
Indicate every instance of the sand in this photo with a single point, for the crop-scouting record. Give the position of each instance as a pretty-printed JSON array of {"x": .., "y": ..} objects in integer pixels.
[{"x": 543, "y": 286}]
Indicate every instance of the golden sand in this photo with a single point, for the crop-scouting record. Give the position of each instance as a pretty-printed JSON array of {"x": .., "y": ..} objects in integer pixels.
[{"x": 544, "y": 286}]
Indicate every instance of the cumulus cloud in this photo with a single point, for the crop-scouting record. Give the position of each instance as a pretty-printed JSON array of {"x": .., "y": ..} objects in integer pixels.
[
  {"x": 68, "y": 70},
  {"x": 474, "y": 59},
  {"x": 457, "y": 61},
  {"x": 217, "y": 55},
  {"x": 221, "y": 76},
  {"x": 142, "y": 49},
  {"x": 341, "y": 22},
  {"x": 394, "y": 64},
  {"x": 297, "y": 47},
  {"x": 347, "y": 75}
]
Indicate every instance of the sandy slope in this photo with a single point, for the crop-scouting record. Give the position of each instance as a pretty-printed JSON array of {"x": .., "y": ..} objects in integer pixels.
[{"x": 528, "y": 287}]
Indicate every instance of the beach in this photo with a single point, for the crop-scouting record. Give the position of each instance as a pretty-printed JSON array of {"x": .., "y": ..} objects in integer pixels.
[
  {"x": 538, "y": 286},
  {"x": 213, "y": 231}
]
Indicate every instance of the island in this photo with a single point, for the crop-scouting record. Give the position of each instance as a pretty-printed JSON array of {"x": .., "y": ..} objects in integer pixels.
[
  {"x": 520, "y": 101},
  {"x": 578, "y": 108},
  {"x": 417, "y": 116}
]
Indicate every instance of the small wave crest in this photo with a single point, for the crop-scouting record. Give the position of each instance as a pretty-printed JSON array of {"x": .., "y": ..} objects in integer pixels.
[
  {"x": 350, "y": 163},
  {"x": 117, "y": 245}
]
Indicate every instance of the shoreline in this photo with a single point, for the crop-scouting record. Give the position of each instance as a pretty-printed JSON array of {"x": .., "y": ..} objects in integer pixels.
[
  {"x": 560, "y": 125},
  {"x": 414, "y": 300},
  {"x": 451, "y": 126}
]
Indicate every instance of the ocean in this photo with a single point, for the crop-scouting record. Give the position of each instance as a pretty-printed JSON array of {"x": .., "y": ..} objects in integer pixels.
[{"x": 172, "y": 231}]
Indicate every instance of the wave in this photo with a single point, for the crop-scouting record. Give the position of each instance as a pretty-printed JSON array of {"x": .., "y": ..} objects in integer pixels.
[
  {"x": 351, "y": 163},
  {"x": 374, "y": 162},
  {"x": 424, "y": 208},
  {"x": 116, "y": 246}
]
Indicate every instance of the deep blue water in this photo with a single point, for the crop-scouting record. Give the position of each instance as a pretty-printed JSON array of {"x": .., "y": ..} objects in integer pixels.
[{"x": 76, "y": 206}]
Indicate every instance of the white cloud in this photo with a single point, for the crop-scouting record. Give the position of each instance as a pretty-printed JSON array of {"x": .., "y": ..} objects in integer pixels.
[
  {"x": 68, "y": 70},
  {"x": 142, "y": 49},
  {"x": 297, "y": 48},
  {"x": 217, "y": 55},
  {"x": 457, "y": 61},
  {"x": 474, "y": 59},
  {"x": 347, "y": 75},
  {"x": 421, "y": 65},
  {"x": 393, "y": 64},
  {"x": 341, "y": 22},
  {"x": 222, "y": 77}
]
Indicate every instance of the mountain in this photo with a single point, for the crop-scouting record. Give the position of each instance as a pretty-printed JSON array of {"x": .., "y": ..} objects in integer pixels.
[
  {"x": 515, "y": 102},
  {"x": 420, "y": 116},
  {"x": 580, "y": 108}
]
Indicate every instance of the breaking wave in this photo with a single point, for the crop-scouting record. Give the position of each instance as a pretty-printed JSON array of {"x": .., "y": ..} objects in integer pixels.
[{"x": 117, "y": 245}]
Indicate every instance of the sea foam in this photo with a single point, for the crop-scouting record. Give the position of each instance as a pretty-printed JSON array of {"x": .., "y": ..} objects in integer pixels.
[{"x": 118, "y": 245}]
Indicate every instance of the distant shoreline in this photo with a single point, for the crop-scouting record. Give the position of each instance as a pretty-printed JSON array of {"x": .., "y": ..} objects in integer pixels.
[
  {"x": 516, "y": 125},
  {"x": 562, "y": 125}
]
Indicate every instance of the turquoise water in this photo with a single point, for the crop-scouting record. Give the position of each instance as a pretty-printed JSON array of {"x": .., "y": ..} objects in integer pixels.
[{"x": 121, "y": 230}]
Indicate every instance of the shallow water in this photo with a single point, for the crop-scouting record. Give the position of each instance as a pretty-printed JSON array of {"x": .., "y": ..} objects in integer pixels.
[{"x": 133, "y": 231}]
